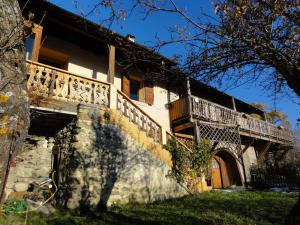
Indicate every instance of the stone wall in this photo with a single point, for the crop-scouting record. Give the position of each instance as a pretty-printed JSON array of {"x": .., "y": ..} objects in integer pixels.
[
  {"x": 101, "y": 165},
  {"x": 249, "y": 158},
  {"x": 33, "y": 164}
]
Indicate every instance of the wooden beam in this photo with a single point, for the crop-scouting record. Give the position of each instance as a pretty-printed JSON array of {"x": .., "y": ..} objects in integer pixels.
[
  {"x": 233, "y": 103},
  {"x": 248, "y": 145},
  {"x": 184, "y": 135},
  {"x": 182, "y": 127},
  {"x": 196, "y": 133},
  {"x": 262, "y": 153},
  {"x": 112, "y": 63},
  {"x": 266, "y": 138}
]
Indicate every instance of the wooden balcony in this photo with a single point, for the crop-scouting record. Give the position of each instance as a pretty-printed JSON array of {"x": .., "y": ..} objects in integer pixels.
[
  {"x": 58, "y": 89},
  {"x": 204, "y": 110}
]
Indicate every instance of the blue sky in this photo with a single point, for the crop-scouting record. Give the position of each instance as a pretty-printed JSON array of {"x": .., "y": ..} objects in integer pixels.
[{"x": 158, "y": 24}]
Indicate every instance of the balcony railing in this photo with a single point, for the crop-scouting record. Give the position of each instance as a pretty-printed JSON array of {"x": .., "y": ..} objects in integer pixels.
[
  {"x": 209, "y": 111},
  {"x": 46, "y": 82},
  {"x": 137, "y": 116}
]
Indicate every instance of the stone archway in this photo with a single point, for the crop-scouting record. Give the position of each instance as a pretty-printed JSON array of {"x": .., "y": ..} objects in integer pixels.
[{"x": 224, "y": 170}]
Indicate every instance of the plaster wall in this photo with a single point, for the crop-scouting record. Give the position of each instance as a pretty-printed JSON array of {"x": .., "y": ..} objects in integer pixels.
[
  {"x": 81, "y": 61},
  {"x": 86, "y": 63}
]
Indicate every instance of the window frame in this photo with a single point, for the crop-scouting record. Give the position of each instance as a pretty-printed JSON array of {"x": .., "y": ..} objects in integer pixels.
[{"x": 38, "y": 31}]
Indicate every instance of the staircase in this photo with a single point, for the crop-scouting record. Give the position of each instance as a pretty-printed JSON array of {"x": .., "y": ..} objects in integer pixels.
[{"x": 59, "y": 90}]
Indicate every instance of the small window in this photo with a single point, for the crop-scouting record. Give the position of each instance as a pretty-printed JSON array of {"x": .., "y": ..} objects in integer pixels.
[
  {"x": 29, "y": 43},
  {"x": 134, "y": 89}
]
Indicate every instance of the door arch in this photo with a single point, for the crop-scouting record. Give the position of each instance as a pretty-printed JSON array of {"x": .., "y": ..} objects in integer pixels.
[{"x": 224, "y": 170}]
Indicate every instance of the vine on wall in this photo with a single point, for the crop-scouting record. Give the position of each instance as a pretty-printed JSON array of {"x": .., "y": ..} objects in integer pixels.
[{"x": 189, "y": 167}]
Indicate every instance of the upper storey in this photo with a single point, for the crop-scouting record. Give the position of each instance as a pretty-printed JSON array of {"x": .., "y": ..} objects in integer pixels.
[{"x": 71, "y": 60}]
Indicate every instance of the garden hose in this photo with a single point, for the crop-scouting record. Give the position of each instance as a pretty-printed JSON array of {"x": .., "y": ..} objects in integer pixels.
[{"x": 40, "y": 206}]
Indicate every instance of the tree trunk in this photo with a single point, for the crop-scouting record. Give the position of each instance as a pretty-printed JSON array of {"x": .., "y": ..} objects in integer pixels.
[{"x": 14, "y": 103}]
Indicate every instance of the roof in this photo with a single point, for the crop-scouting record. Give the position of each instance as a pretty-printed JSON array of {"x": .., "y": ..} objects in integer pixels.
[
  {"x": 55, "y": 12},
  {"x": 77, "y": 22}
]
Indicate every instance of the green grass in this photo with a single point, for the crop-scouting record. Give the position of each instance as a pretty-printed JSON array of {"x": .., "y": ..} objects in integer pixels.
[{"x": 241, "y": 208}]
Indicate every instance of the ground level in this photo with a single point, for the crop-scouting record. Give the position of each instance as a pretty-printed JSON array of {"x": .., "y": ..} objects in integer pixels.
[{"x": 216, "y": 207}]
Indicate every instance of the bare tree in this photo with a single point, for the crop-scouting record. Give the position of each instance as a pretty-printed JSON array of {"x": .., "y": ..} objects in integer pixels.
[
  {"x": 245, "y": 41},
  {"x": 14, "y": 108}
]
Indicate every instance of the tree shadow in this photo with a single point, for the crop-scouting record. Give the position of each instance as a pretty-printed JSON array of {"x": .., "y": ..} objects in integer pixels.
[
  {"x": 89, "y": 169},
  {"x": 111, "y": 153}
]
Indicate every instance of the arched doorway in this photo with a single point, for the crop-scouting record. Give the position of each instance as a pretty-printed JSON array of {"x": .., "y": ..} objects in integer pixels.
[{"x": 224, "y": 170}]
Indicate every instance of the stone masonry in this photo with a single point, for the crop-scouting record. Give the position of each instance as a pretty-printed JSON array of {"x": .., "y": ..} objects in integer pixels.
[
  {"x": 32, "y": 164},
  {"x": 101, "y": 165}
]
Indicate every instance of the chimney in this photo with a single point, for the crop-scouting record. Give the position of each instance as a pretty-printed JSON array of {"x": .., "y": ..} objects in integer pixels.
[{"x": 130, "y": 37}]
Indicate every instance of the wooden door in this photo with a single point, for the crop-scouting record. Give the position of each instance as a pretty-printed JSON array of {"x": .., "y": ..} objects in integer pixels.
[
  {"x": 224, "y": 172},
  {"x": 216, "y": 174}
]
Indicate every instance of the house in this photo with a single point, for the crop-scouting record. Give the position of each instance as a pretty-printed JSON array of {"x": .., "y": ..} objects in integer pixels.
[{"x": 75, "y": 67}]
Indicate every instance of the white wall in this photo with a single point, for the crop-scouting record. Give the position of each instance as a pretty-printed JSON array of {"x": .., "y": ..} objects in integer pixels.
[
  {"x": 81, "y": 61},
  {"x": 87, "y": 63},
  {"x": 158, "y": 111}
]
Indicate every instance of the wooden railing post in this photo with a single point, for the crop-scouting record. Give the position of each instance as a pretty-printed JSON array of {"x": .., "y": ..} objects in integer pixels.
[{"x": 113, "y": 97}]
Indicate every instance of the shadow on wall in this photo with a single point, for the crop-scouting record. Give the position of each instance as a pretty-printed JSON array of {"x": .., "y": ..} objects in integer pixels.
[
  {"x": 110, "y": 148},
  {"x": 91, "y": 159}
]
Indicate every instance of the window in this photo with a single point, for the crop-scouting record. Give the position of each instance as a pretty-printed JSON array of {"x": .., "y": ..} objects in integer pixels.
[
  {"x": 138, "y": 90},
  {"x": 29, "y": 44},
  {"x": 135, "y": 87},
  {"x": 33, "y": 42}
]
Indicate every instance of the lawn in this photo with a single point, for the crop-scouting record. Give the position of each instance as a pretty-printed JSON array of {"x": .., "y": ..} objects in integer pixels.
[{"x": 243, "y": 208}]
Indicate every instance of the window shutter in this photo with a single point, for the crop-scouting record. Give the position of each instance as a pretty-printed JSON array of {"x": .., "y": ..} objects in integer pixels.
[
  {"x": 126, "y": 85},
  {"x": 149, "y": 93}
]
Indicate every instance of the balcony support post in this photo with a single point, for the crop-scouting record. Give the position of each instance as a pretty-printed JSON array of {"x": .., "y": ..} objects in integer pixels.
[
  {"x": 196, "y": 133},
  {"x": 111, "y": 64},
  {"x": 233, "y": 103}
]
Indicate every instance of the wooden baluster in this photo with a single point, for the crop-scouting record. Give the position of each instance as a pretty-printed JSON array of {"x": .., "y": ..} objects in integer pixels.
[
  {"x": 93, "y": 97},
  {"x": 151, "y": 130},
  {"x": 156, "y": 139},
  {"x": 105, "y": 93},
  {"x": 122, "y": 103},
  {"x": 74, "y": 87},
  {"x": 147, "y": 126},
  {"x": 52, "y": 83},
  {"x": 31, "y": 80},
  {"x": 88, "y": 92},
  {"x": 61, "y": 85},
  {"x": 130, "y": 109},
  {"x": 134, "y": 115},
  {"x": 81, "y": 90},
  {"x": 140, "y": 120},
  {"x": 100, "y": 92},
  {"x": 97, "y": 96},
  {"x": 127, "y": 104},
  {"x": 45, "y": 82}
]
